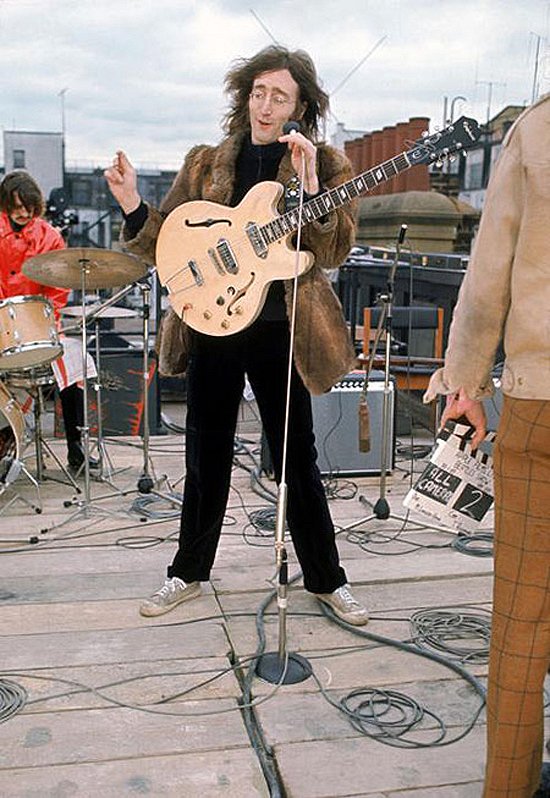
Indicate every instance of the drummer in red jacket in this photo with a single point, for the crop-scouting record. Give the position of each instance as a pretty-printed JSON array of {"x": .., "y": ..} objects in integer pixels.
[{"x": 24, "y": 234}]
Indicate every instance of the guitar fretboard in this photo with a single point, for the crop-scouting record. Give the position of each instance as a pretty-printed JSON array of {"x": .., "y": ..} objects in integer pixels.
[{"x": 334, "y": 198}]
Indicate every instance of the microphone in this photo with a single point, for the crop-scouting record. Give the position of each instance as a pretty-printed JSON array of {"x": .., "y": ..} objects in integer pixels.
[
  {"x": 291, "y": 127},
  {"x": 364, "y": 424}
]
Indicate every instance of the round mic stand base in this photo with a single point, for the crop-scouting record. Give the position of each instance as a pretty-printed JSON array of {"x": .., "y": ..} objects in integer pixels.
[
  {"x": 270, "y": 667},
  {"x": 381, "y": 509}
]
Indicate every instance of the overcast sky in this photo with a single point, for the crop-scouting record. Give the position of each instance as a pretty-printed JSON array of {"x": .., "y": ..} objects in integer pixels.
[{"x": 146, "y": 75}]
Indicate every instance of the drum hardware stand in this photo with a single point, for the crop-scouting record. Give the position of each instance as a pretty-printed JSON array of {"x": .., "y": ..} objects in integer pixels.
[
  {"x": 17, "y": 495},
  {"x": 40, "y": 444},
  {"x": 147, "y": 481},
  {"x": 84, "y": 505},
  {"x": 380, "y": 508},
  {"x": 104, "y": 474}
]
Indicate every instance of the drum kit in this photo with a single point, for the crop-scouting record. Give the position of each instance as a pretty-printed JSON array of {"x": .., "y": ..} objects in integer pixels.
[{"x": 30, "y": 342}]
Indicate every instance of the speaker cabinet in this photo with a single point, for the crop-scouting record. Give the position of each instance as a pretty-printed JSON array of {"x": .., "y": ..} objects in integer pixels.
[
  {"x": 122, "y": 395},
  {"x": 336, "y": 426}
]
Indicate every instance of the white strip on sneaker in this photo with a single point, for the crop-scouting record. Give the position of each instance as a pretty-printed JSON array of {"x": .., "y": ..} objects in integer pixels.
[
  {"x": 173, "y": 592},
  {"x": 343, "y": 604}
]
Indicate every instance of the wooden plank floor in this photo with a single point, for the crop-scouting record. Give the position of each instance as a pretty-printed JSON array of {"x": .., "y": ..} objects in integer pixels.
[{"x": 120, "y": 705}]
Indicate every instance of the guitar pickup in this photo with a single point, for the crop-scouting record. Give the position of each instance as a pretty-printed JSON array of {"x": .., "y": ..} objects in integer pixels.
[
  {"x": 196, "y": 272},
  {"x": 227, "y": 257},
  {"x": 212, "y": 254}
]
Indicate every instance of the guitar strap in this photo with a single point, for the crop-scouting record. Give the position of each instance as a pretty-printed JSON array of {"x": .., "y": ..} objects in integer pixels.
[{"x": 292, "y": 193}]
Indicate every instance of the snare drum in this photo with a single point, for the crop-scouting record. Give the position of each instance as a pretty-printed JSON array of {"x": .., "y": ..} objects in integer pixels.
[
  {"x": 28, "y": 335},
  {"x": 28, "y": 379},
  {"x": 12, "y": 437}
]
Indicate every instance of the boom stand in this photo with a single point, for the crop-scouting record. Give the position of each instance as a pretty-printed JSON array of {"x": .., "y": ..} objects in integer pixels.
[
  {"x": 381, "y": 508},
  {"x": 280, "y": 667}
]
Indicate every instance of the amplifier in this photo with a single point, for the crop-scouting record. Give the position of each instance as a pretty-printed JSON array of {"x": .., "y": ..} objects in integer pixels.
[
  {"x": 121, "y": 395},
  {"x": 336, "y": 426}
]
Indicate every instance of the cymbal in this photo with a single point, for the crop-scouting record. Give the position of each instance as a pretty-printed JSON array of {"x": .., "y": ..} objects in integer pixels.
[
  {"x": 110, "y": 312},
  {"x": 104, "y": 268}
]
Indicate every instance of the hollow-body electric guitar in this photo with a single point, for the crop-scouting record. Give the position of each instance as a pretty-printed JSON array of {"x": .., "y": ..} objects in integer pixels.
[{"x": 217, "y": 262}]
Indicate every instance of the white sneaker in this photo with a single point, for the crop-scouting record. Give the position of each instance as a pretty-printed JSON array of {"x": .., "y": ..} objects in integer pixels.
[
  {"x": 345, "y": 606},
  {"x": 172, "y": 593}
]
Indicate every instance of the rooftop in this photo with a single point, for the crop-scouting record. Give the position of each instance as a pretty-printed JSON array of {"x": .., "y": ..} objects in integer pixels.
[{"x": 118, "y": 704}]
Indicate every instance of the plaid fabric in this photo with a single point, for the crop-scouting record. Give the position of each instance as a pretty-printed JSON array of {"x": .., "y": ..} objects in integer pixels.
[{"x": 520, "y": 640}]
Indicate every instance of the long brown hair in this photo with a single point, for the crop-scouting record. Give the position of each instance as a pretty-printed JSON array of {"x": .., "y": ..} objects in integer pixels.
[
  {"x": 240, "y": 78},
  {"x": 21, "y": 183}
]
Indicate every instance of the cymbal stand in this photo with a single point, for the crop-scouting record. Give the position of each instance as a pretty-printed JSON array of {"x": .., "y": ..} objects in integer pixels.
[
  {"x": 85, "y": 508},
  {"x": 106, "y": 469},
  {"x": 147, "y": 481}
]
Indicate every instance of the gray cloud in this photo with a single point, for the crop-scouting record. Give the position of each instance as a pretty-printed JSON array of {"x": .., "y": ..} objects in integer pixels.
[{"x": 147, "y": 74}]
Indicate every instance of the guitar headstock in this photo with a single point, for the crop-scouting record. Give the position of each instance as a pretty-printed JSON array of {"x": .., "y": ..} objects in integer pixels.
[{"x": 457, "y": 137}]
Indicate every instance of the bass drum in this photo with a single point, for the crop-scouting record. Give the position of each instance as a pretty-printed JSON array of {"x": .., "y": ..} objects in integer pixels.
[{"x": 12, "y": 437}]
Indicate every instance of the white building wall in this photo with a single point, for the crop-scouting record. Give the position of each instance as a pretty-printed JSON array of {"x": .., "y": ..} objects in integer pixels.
[{"x": 41, "y": 154}]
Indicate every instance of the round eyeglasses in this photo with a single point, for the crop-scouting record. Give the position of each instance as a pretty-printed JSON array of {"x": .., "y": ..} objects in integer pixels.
[{"x": 258, "y": 96}]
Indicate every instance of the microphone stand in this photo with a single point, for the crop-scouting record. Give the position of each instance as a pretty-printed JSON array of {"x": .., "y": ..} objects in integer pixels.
[
  {"x": 380, "y": 508},
  {"x": 281, "y": 667}
]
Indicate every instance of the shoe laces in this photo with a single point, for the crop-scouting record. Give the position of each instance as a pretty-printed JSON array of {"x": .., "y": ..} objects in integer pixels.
[
  {"x": 167, "y": 589},
  {"x": 345, "y": 595}
]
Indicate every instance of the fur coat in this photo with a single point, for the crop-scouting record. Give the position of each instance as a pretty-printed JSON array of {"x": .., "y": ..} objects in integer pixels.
[{"x": 323, "y": 351}]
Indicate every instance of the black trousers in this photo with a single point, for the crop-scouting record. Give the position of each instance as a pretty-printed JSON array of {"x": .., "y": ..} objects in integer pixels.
[
  {"x": 72, "y": 408},
  {"x": 215, "y": 382}
]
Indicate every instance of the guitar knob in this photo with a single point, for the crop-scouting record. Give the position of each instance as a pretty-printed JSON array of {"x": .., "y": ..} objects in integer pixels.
[
  {"x": 207, "y": 314},
  {"x": 238, "y": 310},
  {"x": 225, "y": 324}
]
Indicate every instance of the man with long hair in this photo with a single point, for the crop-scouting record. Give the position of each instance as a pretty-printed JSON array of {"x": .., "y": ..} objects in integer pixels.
[
  {"x": 24, "y": 234},
  {"x": 265, "y": 91}
]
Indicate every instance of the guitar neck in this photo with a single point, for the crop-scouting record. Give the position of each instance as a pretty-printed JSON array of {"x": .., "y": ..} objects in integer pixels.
[{"x": 334, "y": 198}]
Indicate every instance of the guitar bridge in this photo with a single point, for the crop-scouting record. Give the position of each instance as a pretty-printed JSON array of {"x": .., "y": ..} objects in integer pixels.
[{"x": 196, "y": 272}]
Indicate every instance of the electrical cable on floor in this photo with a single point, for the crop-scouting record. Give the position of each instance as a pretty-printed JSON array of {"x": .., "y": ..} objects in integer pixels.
[
  {"x": 13, "y": 698},
  {"x": 450, "y": 631},
  {"x": 386, "y": 715},
  {"x": 365, "y": 540},
  {"x": 144, "y": 505},
  {"x": 466, "y": 544}
]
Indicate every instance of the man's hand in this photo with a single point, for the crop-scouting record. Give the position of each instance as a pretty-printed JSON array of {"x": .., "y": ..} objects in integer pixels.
[
  {"x": 299, "y": 145},
  {"x": 458, "y": 404},
  {"x": 122, "y": 180}
]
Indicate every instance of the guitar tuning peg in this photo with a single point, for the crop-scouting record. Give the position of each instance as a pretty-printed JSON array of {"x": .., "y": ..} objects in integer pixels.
[
  {"x": 439, "y": 163},
  {"x": 425, "y": 134}
]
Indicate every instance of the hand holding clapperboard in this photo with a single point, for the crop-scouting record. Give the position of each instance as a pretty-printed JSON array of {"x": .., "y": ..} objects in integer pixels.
[{"x": 456, "y": 487}]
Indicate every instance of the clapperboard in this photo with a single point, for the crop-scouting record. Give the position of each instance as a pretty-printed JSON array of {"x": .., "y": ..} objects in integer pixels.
[{"x": 456, "y": 487}]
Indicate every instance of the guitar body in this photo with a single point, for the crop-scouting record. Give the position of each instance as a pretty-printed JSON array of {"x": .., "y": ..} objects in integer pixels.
[{"x": 216, "y": 280}]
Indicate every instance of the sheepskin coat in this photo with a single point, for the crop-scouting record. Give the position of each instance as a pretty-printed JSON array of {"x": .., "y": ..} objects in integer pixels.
[
  {"x": 506, "y": 290},
  {"x": 323, "y": 351}
]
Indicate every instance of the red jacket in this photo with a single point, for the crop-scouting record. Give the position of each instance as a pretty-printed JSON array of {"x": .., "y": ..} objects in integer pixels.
[{"x": 15, "y": 248}]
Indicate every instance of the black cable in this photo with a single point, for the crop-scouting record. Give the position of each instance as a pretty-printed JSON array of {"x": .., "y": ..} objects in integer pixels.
[
  {"x": 466, "y": 544},
  {"x": 404, "y": 713},
  {"x": 13, "y": 698},
  {"x": 453, "y": 631}
]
